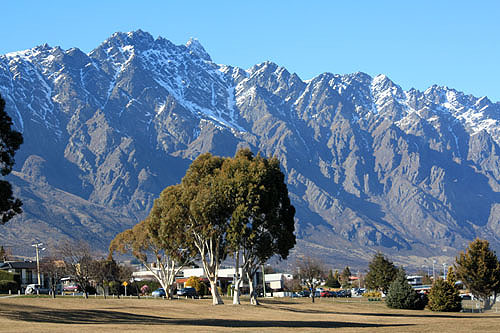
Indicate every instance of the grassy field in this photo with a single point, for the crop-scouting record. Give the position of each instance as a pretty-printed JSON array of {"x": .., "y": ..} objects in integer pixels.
[{"x": 68, "y": 314}]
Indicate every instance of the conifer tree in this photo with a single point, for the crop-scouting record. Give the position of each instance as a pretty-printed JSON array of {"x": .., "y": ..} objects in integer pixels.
[
  {"x": 381, "y": 273},
  {"x": 479, "y": 270},
  {"x": 344, "y": 277},
  {"x": 401, "y": 295},
  {"x": 444, "y": 296},
  {"x": 331, "y": 281}
]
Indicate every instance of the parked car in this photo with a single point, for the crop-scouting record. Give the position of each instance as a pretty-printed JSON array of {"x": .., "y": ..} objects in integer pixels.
[
  {"x": 34, "y": 289},
  {"x": 343, "y": 293},
  {"x": 160, "y": 292},
  {"x": 71, "y": 288},
  {"x": 360, "y": 291},
  {"x": 466, "y": 297},
  {"x": 188, "y": 292},
  {"x": 304, "y": 293},
  {"x": 326, "y": 293}
]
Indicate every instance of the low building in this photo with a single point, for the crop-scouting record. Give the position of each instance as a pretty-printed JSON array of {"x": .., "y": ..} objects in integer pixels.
[
  {"x": 415, "y": 280},
  {"x": 26, "y": 269}
]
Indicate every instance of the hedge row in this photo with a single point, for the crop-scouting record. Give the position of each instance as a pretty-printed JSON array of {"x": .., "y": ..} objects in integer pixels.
[
  {"x": 6, "y": 285},
  {"x": 8, "y": 276}
]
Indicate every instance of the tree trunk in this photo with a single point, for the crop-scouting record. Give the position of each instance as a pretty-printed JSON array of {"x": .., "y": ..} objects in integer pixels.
[
  {"x": 486, "y": 303},
  {"x": 237, "y": 280},
  {"x": 170, "y": 291},
  {"x": 494, "y": 298},
  {"x": 216, "y": 299},
  {"x": 236, "y": 295},
  {"x": 253, "y": 294}
]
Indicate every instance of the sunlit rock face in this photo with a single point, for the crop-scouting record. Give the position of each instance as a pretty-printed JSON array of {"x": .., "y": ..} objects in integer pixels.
[{"x": 369, "y": 165}]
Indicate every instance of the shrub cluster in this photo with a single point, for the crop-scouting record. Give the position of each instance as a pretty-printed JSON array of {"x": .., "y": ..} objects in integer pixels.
[
  {"x": 8, "y": 276},
  {"x": 6, "y": 285},
  {"x": 402, "y": 296}
]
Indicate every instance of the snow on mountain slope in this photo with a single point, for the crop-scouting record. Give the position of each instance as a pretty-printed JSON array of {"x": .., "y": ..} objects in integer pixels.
[{"x": 368, "y": 164}]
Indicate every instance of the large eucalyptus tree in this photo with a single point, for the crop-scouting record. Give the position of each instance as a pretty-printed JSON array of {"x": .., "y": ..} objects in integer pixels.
[{"x": 262, "y": 220}]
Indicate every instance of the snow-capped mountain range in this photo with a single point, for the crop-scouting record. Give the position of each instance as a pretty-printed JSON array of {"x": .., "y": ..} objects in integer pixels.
[{"x": 369, "y": 165}]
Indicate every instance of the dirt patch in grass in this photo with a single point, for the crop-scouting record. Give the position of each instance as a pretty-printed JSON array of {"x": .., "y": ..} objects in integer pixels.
[{"x": 152, "y": 315}]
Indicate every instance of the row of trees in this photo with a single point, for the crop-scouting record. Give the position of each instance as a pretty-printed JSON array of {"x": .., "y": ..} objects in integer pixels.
[
  {"x": 223, "y": 206},
  {"x": 89, "y": 271},
  {"x": 477, "y": 268},
  {"x": 336, "y": 280}
]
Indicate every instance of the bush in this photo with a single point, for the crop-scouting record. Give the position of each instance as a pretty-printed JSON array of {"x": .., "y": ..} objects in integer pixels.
[
  {"x": 372, "y": 294},
  {"x": 152, "y": 285},
  {"x": 6, "y": 285},
  {"x": 444, "y": 296},
  {"x": 8, "y": 276},
  {"x": 114, "y": 288},
  {"x": 91, "y": 290},
  {"x": 197, "y": 284},
  {"x": 402, "y": 296},
  {"x": 145, "y": 289}
]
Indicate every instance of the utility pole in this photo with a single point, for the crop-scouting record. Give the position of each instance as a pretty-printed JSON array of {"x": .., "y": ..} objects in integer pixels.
[
  {"x": 444, "y": 271},
  {"x": 433, "y": 272},
  {"x": 38, "y": 260}
]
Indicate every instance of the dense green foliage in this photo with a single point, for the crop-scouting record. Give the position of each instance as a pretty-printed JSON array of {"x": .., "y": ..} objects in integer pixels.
[
  {"x": 196, "y": 283},
  {"x": 402, "y": 296},
  {"x": 8, "y": 276},
  {"x": 332, "y": 281},
  {"x": 10, "y": 141},
  {"x": 234, "y": 205},
  {"x": 444, "y": 296},
  {"x": 344, "y": 277},
  {"x": 262, "y": 217},
  {"x": 479, "y": 270},
  {"x": 381, "y": 273},
  {"x": 6, "y": 285}
]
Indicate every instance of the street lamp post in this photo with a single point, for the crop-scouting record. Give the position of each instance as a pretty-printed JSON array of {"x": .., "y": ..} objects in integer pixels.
[{"x": 38, "y": 260}]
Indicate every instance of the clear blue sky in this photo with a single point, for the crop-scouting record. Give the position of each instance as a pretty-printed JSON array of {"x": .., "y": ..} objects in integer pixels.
[{"x": 416, "y": 43}]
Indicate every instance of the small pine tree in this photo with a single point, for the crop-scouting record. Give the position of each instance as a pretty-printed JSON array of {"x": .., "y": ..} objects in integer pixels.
[
  {"x": 381, "y": 273},
  {"x": 444, "y": 296},
  {"x": 451, "y": 277},
  {"x": 401, "y": 295},
  {"x": 344, "y": 277},
  {"x": 331, "y": 281}
]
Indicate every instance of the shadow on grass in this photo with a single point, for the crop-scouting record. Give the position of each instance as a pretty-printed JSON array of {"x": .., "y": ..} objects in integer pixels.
[
  {"x": 410, "y": 313},
  {"x": 90, "y": 317}
]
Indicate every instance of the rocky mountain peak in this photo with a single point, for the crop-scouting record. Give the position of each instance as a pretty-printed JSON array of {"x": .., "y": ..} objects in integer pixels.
[
  {"x": 195, "y": 47},
  {"x": 368, "y": 165}
]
